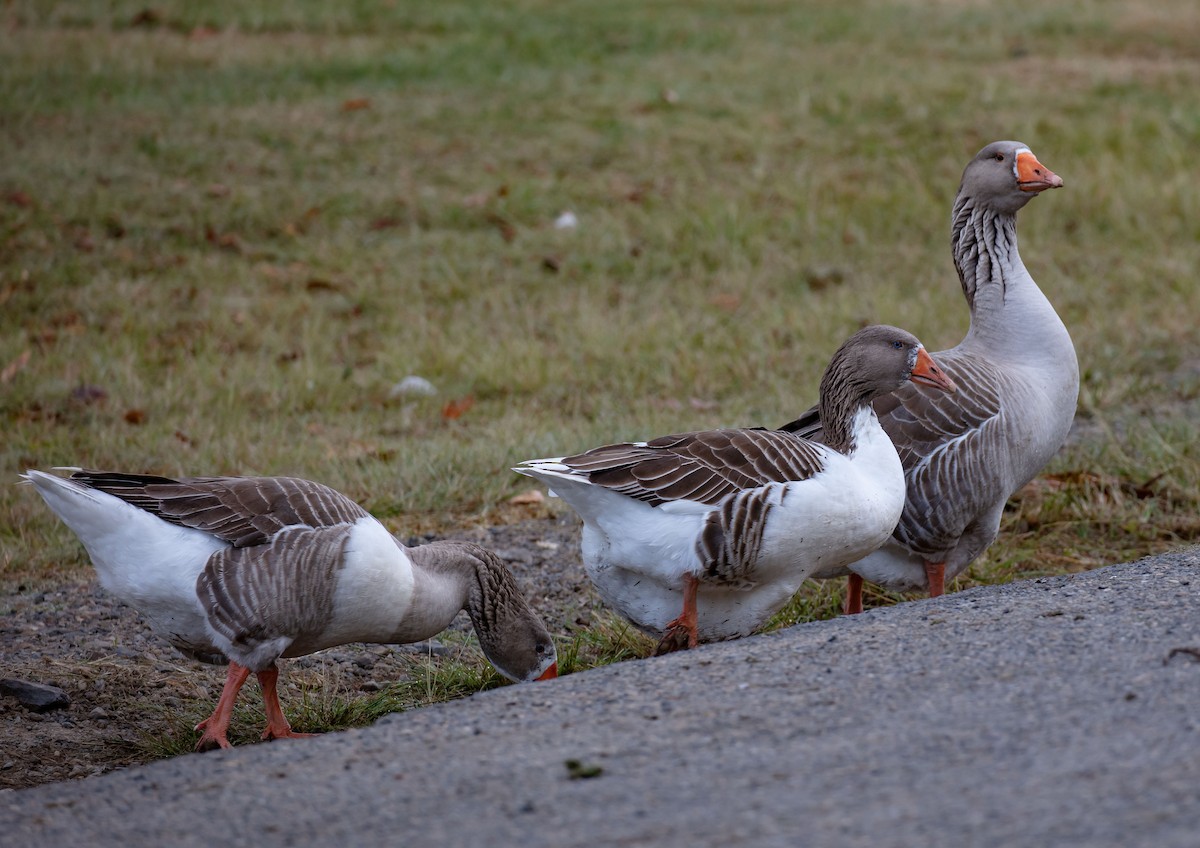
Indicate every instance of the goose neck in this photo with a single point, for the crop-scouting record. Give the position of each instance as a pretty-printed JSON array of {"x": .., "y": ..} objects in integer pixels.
[
  {"x": 843, "y": 404},
  {"x": 461, "y": 575},
  {"x": 984, "y": 245}
]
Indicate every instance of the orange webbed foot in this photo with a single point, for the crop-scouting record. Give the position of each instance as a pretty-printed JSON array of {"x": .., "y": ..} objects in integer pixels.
[{"x": 683, "y": 632}]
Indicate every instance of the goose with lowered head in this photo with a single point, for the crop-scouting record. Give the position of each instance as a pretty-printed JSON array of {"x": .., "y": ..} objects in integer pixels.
[{"x": 247, "y": 570}]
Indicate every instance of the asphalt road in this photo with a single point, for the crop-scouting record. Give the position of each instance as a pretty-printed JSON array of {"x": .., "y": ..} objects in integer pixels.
[{"x": 1053, "y": 712}]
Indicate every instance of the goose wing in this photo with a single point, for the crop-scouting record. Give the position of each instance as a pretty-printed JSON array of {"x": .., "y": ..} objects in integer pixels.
[
  {"x": 704, "y": 467},
  {"x": 243, "y": 511},
  {"x": 259, "y": 599}
]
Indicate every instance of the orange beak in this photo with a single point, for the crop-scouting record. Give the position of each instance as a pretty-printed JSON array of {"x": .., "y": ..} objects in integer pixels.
[
  {"x": 1032, "y": 175},
  {"x": 927, "y": 372},
  {"x": 551, "y": 672}
]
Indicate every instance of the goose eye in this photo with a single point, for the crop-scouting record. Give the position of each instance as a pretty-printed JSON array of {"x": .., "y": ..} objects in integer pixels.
[
  {"x": 542, "y": 648},
  {"x": 897, "y": 344},
  {"x": 999, "y": 157}
]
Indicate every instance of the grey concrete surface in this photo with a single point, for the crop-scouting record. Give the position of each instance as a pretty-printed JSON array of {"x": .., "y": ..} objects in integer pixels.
[{"x": 1052, "y": 712}]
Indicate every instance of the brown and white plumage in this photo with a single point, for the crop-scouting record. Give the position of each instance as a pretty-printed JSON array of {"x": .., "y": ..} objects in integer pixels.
[
  {"x": 965, "y": 454},
  {"x": 250, "y": 569},
  {"x": 726, "y": 524}
]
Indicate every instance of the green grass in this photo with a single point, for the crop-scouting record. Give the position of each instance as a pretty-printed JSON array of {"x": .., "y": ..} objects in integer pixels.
[{"x": 227, "y": 229}]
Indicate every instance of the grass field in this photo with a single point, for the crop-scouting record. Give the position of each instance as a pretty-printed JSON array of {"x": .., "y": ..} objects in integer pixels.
[{"x": 227, "y": 230}]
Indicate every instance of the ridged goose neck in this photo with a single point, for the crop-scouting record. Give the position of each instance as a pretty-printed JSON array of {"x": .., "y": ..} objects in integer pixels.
[
  {"x": 510, "y": 634},
  {"x": 984, "y": 244},
  {"x": 480, "y": 583}
]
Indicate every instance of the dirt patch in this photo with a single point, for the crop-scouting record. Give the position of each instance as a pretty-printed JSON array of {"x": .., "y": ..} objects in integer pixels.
[{"x": 127, "y": 685}]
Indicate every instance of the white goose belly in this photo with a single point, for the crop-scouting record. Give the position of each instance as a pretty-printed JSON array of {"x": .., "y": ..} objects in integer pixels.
[{"x": 822, "y": 523}]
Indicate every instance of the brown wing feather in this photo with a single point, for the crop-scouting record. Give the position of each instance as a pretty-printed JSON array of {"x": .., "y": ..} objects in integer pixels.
[
  {"x": 705, "y": 466},
  {"x": 243, "y": 511}
]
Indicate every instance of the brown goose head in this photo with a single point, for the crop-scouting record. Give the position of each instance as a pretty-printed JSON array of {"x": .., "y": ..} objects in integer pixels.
[
  {"x": 1005, "y": 175},
  {"x": 520, "y": 647},
  {"x": 874, "y": 361},
  {"x": 511, "y": 635}
]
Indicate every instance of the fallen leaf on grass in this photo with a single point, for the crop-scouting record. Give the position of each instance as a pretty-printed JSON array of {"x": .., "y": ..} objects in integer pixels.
[
  {"x": 356, "y": 104},
  {"x": 135, "y": 416},
  {"x": 508, "y": 230},
  {"x": 823, "y": 277},
  {"x": 531, "y": 497},
  {"x": 12, "y": 368},
  {"x": 455, "y": 408},
  {"x": 146, "y": 18},
  {"x": 19, "y": 198},
  {"x": 225, "y": 241}
]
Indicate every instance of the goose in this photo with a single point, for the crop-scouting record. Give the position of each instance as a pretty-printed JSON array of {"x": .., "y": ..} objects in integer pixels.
[
  {"x": 247, "y": 570},
  {"x": 965, "y": 454},
  {"x": 726, "y": 524}
]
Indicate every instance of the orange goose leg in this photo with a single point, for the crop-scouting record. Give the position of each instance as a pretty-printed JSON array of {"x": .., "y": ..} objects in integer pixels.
[
  {"x": 854, "y": 587},
  {"x": 217, "y": 725},
  {"x": 935, "y": 573},
  {"x": 681, "y": 633},
  {"x": 277, "y": 723}
]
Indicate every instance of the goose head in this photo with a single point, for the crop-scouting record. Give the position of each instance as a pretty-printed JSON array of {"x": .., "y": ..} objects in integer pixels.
[
  {"x": 518, "y": 644},
  {"x": 877, "y": 360},
  {"x": 1005, "y": 175}
]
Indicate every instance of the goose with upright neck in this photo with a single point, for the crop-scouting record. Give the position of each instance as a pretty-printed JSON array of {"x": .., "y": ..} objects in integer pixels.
[
  {"x": 965, "y": 454},
  {"x": 703, "y": 536},
  {"x": 247, "y": 570}
]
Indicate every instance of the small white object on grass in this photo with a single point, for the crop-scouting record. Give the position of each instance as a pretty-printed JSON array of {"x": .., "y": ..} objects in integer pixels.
[
  {"x": 413, "y": 385},
  {"x": 566, "y": 221}
]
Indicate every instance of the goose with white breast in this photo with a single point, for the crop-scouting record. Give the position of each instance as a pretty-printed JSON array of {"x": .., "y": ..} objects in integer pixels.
[
  {"x": 965, "y": 454},
  {"x": 703, "y": 536},
  {"x": 247, "y": 570}
]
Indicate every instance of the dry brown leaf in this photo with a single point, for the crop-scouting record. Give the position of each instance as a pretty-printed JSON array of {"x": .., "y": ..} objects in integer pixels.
[
  {"x": 135, "y": 416},
  {"x": 455, "y": 408},
  {"x": 225, "y": 241},
  {"x": 355, "y": 104},
  {"x": 528, "y": 498},
  {"x": 147, "y": 17},
  {"x": 508, "y": 231}
]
